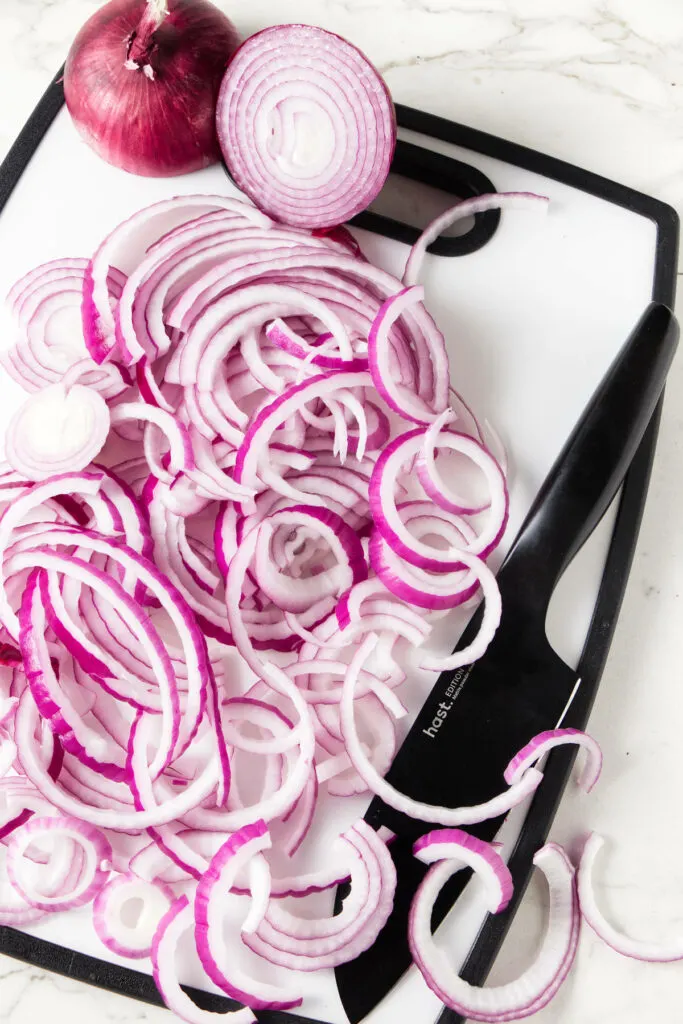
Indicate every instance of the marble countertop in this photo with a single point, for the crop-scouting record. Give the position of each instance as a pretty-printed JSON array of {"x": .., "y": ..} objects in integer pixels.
[{"x": 600, "y": 84}]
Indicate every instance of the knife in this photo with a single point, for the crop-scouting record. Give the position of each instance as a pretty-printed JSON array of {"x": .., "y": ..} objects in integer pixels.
[{"x": 520, "y": 686}]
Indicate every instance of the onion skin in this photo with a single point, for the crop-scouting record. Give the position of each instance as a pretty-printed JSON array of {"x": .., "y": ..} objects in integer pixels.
[{"x": 156, "y": 126}]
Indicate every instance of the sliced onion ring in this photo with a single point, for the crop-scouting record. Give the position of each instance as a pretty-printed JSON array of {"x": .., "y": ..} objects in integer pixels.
[
  {"x": 537, "y": 747},
  {"x": 213, "y": 953},
  {"x": 536, "y": 986},
  {"x": 109, "y": 914},
  {"x": 466, "y": 208},
  {"x": 179, "y": 919},
  {"x": 57, "y": 429},
  {"x": 455, "y": 845},
  {"x": 453, "y": 816},
  {"x": 70, "y": 832}
]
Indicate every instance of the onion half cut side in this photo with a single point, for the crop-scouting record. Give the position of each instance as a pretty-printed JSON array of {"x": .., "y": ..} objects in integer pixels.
[{"x": 306, "y": 125}]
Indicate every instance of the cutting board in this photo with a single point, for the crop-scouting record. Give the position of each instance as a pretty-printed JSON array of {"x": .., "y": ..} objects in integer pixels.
[{"x": 533, "y": 307}]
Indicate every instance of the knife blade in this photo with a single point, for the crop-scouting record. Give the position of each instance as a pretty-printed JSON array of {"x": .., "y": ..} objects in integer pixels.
[{"x": 477, "y": 717}]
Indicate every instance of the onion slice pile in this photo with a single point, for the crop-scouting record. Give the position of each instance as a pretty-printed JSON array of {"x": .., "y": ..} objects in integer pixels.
[{"x": 219, "y": 561}]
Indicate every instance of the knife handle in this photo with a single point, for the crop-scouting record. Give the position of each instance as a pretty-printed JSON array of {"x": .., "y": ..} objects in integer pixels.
[{"x": 588, "y": 472}]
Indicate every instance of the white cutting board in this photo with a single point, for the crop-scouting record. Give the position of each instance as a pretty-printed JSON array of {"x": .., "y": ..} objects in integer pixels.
[{"x": 532, "y": 321}]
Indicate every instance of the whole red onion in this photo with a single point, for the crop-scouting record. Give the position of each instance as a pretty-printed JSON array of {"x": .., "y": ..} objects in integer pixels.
[{"x": 141, "y": 83}]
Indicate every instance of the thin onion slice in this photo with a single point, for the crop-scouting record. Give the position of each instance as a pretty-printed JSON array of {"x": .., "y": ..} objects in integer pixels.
[
  {"x": 541, "y": 744},
  {"x": 64, "y": 833},
  {"x": 528, "y": 993},
  {"x": 115, "y": 931},
  {"x": 400, "y": 397},
  {"x": 455, "y": 845},
  {"x": 467, "y": 208},
  {"x": 309, "y": 945},
  {"x": 211, "y": 946},
  {"x": 453, "y": 816}
]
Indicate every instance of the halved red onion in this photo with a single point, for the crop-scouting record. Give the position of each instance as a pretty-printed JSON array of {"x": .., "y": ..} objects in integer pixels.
[
  {"x": 534, "y": 988},
  {"x": 311, "y": 147},
  {"x": 57, "y": 430},
  {"x": 638, "y": 949}
]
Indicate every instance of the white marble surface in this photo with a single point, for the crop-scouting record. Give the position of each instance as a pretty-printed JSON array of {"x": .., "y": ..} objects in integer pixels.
[{"x": 600, "y": 83}]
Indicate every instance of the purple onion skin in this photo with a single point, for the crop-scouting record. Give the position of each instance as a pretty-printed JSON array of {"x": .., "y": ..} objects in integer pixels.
[{"x": 156, "y": 127}]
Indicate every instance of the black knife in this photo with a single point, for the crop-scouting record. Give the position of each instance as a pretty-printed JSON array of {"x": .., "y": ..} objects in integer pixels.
[{"x": 520, "y": 686}]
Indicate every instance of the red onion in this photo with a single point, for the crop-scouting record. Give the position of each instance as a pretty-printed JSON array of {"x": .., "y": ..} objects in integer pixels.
[
  {"x": 46, "y": 305},
  {"x": 86, "y": 882},
  {"x": 466, "y": 208},
  {"x": 141, "y": 83},
  {"x": 306, "y": 125},
  {"x": 307, "y": 945}
]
